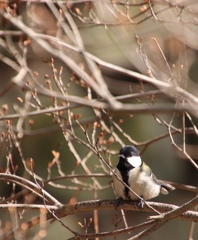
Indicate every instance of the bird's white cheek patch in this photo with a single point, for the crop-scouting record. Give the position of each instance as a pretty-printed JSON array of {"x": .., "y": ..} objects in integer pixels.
[{"x": 135, "y": 161}]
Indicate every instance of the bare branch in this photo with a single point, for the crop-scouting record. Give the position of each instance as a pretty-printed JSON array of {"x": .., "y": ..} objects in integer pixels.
[
  {"x": 167, "y": 209},
  {"x": 30, "y": 186}
]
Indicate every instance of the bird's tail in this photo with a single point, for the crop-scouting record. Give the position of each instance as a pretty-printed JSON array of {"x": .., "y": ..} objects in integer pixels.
[{"x": 165, "y": 187}]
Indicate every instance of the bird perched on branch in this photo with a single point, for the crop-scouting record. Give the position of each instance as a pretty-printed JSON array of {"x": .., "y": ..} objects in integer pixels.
[{"x": 138, "y": 177}]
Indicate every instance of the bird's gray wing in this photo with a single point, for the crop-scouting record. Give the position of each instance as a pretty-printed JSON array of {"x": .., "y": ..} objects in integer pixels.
[{"x": 165, "y": 187}]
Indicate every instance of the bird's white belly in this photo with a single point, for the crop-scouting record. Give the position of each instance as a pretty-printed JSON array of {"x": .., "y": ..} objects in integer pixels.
[
  {"x": 142, "y": 185},
  {"x": 139, "y": 182}
]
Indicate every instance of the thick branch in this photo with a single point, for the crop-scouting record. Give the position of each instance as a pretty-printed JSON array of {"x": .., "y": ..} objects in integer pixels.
[
  {"x": 69, "y": 209},
  {"x": 125, "y": 205},
  {"x": 163, "y": 218}
]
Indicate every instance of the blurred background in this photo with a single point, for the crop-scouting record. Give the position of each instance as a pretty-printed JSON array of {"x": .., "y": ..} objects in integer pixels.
[{"x": 159, "y": 39}]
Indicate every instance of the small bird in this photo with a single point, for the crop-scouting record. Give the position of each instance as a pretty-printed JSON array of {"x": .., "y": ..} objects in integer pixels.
[{"x": 138, "y": 176}]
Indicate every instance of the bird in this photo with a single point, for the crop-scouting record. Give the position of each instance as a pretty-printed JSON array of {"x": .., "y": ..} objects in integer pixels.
[{"x": 138, "y": 176}]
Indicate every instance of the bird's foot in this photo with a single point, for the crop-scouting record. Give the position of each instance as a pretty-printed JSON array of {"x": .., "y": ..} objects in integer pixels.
[{"x": 141, "y": 203}]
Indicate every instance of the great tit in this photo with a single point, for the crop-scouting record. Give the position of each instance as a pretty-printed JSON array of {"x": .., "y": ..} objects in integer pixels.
[{"x": 138, "y": 176}]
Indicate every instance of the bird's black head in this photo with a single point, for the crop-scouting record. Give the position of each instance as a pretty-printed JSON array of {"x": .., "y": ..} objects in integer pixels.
[
  {"x": 129, "y": 151},
  {"x": 129, "y": 156}
]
